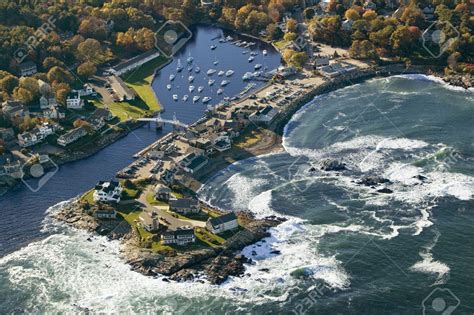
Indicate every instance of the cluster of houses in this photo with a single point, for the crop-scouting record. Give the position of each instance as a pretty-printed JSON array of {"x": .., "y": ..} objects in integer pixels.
[{"x": 111, "y": 191}]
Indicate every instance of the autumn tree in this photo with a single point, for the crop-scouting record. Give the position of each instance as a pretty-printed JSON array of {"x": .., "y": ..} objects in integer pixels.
[
  {"x": 89, "y": 49},
  {"x": 86, "y": 70}
]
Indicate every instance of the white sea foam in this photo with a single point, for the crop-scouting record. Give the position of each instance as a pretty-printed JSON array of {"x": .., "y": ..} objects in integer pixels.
[{"x": 431, "y": 266}]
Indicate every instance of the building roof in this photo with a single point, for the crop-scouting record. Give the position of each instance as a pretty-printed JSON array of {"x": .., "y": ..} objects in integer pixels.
[
  {"x": 197, "y": 162},
  {"x": 27, "y": 65},
  {"x": 162, "y": 189},
  {"x": 180, "y": 232},
  {"x": 131, "y": 61},
  {"x": 266, "y": 110},
  {"x": 107, "y": 186},
  {"x": 120, "y": 87},
  {"x": 73, "y": 94},
  {"x": 222, "y": 219},
  {"x": 183, "y": 203}
]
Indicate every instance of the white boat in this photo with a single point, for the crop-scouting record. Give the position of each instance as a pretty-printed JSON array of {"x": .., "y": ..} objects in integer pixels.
[
  {"x": 185, "y": 98},
  {"x": 220, "y": 91},
  {"x": 257, "y": 74},
  {"x": 222, "y": 40},
  {"x": 229, "y": 38},
  {"x": 196, "y": 98},
  {"x": 200, "y": 89},
  {"x": 229, "y": 73},
  {"x": 264, "y": 52},
  {"x": 172, "y": 76},
  {"x": 253, "y": 53},
  {"x": 257, "y": 66},
  {"x": 251, "y": 58},
  {"x": 213, "y": 47},
  {"x": 191, "y": 88},
  {"x": 211, "y": 82},
  {"x": 190, "y": 59},
  {"x": 197, "y": 70},
  {"x": 179, "y": 67},
  {"x": 216, "y": 63},
  {"x": 190, "y": 68},
  {"x": 206, "y": 99},
  {"x": 175, "y": 97},
  {"x": 221, "y": 73},
  {"x": 168, "y": 86},
  {"x": 211, "y": 71},
  {"x": 190, "y": 79},
  {"x": 226, "y": 98},
  {"x": 224, "y": 83},
  {"x": 245, "y": 52},
  {"x": 247, "y": 76}
]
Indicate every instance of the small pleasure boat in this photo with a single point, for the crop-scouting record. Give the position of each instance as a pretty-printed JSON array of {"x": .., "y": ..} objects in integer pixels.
[
  {"x": 190, "y": 79},
  {"x": 211, "y": 82},
  {"x": 229, "y": 73},
  {"x": 168, "y": 86},
  {"x": 257, "y": 66},
  {"x": 191, "y": 88},
  {"x": 179, "y": 67},
  {"x": 185, "y": 98},
  {"x": 213, "y": 47},
  {"x": 211, "y": 71},
  {"x": 197, "y": 70},
  {"x": 251, "y": 58},
  {"x": 196, "y": 98},
  {"x": 221, "y": 73},
  {"x": 200, "y": 89},
  {"x": 206, "y": 99},
  {"x": 172, "y": 76},
  {"x": 220, "y": 91},
  {"x": 175, "y": 97},
  {"x": 224, "y": 83},
  {"x": 264, "y": 52}
]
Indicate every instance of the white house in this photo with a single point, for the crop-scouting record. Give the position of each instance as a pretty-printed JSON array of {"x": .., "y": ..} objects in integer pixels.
[
  {"x": 223, "y": 223},
  {"x": 108, "y": 191},
  {"x": 28, "y": 139},
  {"x": 222, "y": 143},
  {"x": 71, "y": 136},
  {"x": 181, "y": 236},
  {"x": 74, "y": 101},
  {"x": 149, "y": 221},
  {"x": 184, "y": 206},
  {"x": 264, "y": 116}
]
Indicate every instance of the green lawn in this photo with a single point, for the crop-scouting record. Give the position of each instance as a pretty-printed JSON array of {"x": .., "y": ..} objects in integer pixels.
[
  {"x": 140, "y": 80},
  {"x": 150, "y": 198},
  {"x": 88, "y": 197},
  {"x": 208, "y": 238}
]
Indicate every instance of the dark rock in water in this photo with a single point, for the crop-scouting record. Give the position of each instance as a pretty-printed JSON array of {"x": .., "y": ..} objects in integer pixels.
[
  {"x": 385, "y": 190},
  {"x": 420, "y": 177},
  {"x": 333, "y": 165},
  {"x": 373, "y": 180},
  {"x": 254, "y": 253},
  {"x": 165, "y": 280},
  {"x": 276, "y": 252},
  {"x": 264, "y": 269},
  {"x": 312, "y": 169}
]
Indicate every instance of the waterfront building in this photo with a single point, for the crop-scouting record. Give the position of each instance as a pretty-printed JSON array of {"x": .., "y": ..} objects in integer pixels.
[
  {"x": 222, "y": 223},
  {"x": 180, "y": 236},
  {"x": 184, "y": 205},
  {"x": 27, "y": 68},
  {"x": 264, "y": 116},
  {"x": 108, "y": 191},
  {"x": 222, "y": 143},
  {"x": 149, "y": 221},
  {"x": 72, "y": 136},
  {"x": 74, "y": 101},
  {"x": 193, "y": 163},
  {"x": 99, "y": 118},
  {"x": 134, "y": 62},
  {"x": 123, "y": 92}
]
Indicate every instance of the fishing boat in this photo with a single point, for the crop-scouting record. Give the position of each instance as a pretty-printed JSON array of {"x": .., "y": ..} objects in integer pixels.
[
  {"x": 175, "y": 97},
  {"x": 196, "y": 98},
  {"x": 247, "y": 76},
  {"x": 220, "y": 73},
  {"x": 211, "y": 71},
  {"x": 216, "y": 63},
  {"x": 257, "y": 66},
  {"x": 168, "y": 86},
  {"x": 229, "y": 73},
  {"x": 191, "y": 88},
  {"x": 197, "y": 70},
  {"x": 220, "y": 91},
  {"x": 251, "y": 58},
  {"x": 224, "y": 83},
  {"x": 206, "y": 99},
  {"x": 264, "y": 52},
  {"x": 200, "y": 89},
  {"x": 185, "y": 98},
  {"x": 213, "y": 47},
  {"x": 172, "y": 76},
  {"x": 179, "y": 67},
  {"x": 211, "y": 82},
  {"x": 190, "y": 79}
]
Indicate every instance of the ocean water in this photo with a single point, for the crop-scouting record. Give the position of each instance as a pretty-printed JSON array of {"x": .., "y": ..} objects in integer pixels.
[{"x": 344, "y": 249}]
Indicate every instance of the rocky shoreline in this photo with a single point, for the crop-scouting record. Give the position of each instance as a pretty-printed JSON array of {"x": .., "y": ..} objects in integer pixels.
[{"x": 213, "y": 264}]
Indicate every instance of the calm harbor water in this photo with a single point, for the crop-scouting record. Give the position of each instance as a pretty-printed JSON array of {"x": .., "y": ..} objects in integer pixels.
[{"x": 23, "y": 211}]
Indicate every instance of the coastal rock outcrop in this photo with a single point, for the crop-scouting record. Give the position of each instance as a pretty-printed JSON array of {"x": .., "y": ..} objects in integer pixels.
[
  {"x": 333, "y": 165},
  {"x": 373, "y": 180}
]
